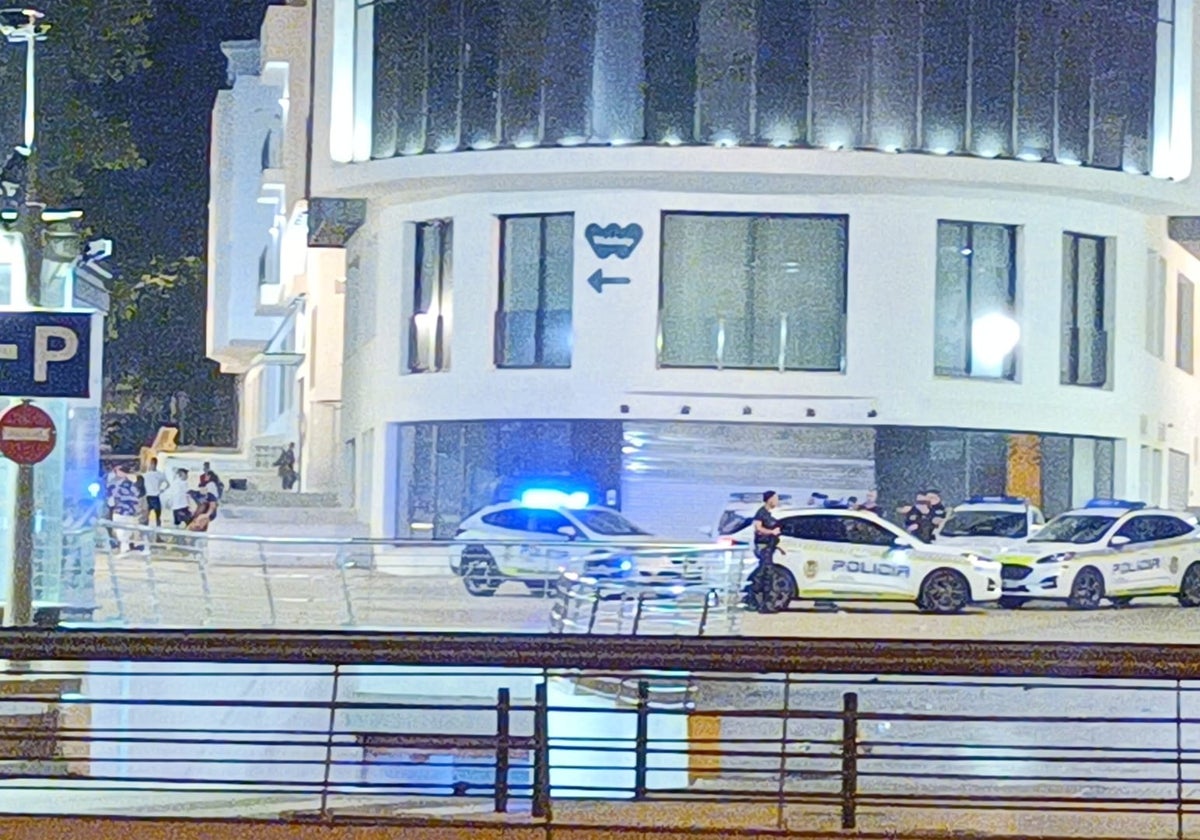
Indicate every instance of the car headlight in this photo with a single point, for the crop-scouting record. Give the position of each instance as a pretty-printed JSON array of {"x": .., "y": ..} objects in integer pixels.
[{"x": 1056, "y": 558}]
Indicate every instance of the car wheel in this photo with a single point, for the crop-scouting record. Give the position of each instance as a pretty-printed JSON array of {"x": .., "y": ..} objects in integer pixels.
[
  {"x": 480, "y": 575},
  {"x": 1189, "y": 587},
  {"x": 1120, "y": 601},
  {"x": 944, "y": 591},
  {"x": 1087, "y": 589},
  {"x": 779, "y": 588},
  {"x": 1012, "y": 602}
]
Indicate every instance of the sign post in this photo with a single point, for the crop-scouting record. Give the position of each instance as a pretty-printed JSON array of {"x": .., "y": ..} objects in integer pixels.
[{"x": 27, "y": 437}]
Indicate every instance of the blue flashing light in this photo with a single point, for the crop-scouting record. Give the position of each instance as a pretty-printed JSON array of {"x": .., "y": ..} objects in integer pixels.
[
  {"x": 1122, "y": 504},
  {"x": 996, "y": 500},
  {"x": 94, "y": 489},
  {"x": 548, "y": 498}
]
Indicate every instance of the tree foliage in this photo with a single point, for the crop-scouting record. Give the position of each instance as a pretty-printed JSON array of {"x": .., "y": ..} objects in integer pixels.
[{"x": 90, "y": 42}]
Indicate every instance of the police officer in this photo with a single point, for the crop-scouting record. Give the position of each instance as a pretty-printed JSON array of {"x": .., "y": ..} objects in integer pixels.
[{"x": 766, "y": 543}]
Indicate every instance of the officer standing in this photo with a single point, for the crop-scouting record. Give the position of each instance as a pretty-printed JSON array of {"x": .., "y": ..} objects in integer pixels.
[{"x": 766, "y": 543}]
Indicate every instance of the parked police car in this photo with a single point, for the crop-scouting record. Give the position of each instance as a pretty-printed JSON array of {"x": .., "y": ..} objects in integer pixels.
[
  {"x": 545, "y": 533},
  {"x": 1109, "y": 549},
  {"x": 851, "y": 555},
  {"x": 989, "y": 524}
]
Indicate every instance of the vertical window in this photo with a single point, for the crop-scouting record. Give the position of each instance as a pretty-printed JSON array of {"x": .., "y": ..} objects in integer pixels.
[
  {"x": 263, "y": 278},
  {"x": 753, "y": 291},
  {"x": 537, "y": 259},
  {"x": 1156, "y": 304},
  {"x": 432, "y": 276},
  {"x": 1185, "y": 324},
  {"x": 976, "y": 332},
  {"x": 1085, "y": 296}
]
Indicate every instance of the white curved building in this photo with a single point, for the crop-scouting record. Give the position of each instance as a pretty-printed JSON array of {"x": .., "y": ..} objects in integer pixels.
[{"x": 665, "y": 250}]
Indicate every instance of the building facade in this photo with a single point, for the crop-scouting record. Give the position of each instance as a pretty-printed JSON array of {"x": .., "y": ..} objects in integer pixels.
[
  {"x": 666, "y": 250},
  {"x": 274, "y": 303}
]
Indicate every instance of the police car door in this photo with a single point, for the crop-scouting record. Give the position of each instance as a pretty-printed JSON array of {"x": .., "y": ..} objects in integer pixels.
[
  {"x": 869, "y": 566},
  {"x": 553, "y": 548},
  {"x": 810, "y": 551},
  {"x": 1142, "y": 563}
]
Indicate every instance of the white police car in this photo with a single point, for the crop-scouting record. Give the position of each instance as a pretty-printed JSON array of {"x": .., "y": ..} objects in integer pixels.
[
  {"x": 1108, "y": 549},
  {"x": 534, "y": 539},
  {"x": 851, "y": 555},
  {"x": 989, "y": 524}
]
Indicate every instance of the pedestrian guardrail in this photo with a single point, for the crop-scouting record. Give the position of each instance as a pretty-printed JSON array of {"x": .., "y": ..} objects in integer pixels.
[
  {"x": 886, "y": 737},
  {"x": 185, "y": 579}
]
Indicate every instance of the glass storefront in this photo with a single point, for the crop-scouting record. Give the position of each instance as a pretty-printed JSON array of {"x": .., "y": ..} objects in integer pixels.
[{"x": 673, "y": 478}]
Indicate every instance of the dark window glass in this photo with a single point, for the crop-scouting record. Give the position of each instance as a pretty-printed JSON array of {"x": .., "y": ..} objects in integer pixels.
[
  {"x": 1085, "y": 339},
  {"x": 892, "y": 87},
  {"x": 568, "y": 70},
  {"x": 533, "y": 325},
  {"x": 514, "y": 520},
  {"x": 443, "y": 21},
  {"x": 1185, "y": 324},
  {"x": 671, "y": 41},
  {"x": 481, "y": 73},
  {"x": 861, "y": 532},
  {"x": 753, "y": 291},
  {"x": 782, "y": 77},
  {"x": 547, "y": 521},
  {"x": 993, "y": 62},
  {"x": 1037, "y": 43},
  {"x": 976, "y": 293},
  {"x": 431, "y": 287},
  {"x": 820, "y": 528},
  {"x": 944, "y": 45},
  {"x": 839, "y": 47},
  {"x": 401, "y": 77},
  {"x": 522, "y": 55},
  {"x": 727, "y": 40}
]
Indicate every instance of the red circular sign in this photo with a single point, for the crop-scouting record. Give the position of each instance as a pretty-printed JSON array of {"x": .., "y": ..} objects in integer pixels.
[{"x": 27, "y": 434}]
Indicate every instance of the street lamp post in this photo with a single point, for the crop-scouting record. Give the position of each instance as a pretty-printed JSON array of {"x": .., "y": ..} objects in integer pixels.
[{"x": 43, "y": 233}]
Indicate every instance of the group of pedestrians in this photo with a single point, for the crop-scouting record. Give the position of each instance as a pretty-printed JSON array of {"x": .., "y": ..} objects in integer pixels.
[{"x": 138, "y": 499}]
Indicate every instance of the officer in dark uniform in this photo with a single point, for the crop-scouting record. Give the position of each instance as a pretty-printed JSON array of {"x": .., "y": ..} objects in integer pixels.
[{"x": 766, "y": 543}]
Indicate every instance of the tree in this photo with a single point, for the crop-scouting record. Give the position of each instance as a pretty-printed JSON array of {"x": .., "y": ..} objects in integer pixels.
[{"x": 90, "y": 42}]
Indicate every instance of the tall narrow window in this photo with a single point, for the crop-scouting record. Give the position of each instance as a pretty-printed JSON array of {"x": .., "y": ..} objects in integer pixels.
[
  {"x": 753, "y": 291},
  {"x": 1156, "y": 304},
  {"x": 433, "y": 271},
  {"x": 1185, "y": 324},
  {"x": 533, "y": 324},
  {"x": 1084, "y": 312},
  {"x": 976, "y": 332}
]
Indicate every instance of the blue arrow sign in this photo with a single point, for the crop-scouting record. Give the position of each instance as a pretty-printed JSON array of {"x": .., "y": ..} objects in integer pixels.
[
  {"x": 45, "y": 354},
  {"x": 598, "y": 281}
]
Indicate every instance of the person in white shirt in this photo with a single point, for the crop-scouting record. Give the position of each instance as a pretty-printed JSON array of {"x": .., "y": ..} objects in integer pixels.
[
  {"x": 177, "y": 499},
  {"x": 156, "y": 482}
]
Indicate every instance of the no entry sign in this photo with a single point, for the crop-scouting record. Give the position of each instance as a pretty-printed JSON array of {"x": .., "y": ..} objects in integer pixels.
[{"x": 27, "y": 434}]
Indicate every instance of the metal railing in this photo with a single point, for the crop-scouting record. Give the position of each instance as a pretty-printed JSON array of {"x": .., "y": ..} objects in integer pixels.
[
  {"x": 1012, "y": 739},
  {"x": 184, "y": 579}
]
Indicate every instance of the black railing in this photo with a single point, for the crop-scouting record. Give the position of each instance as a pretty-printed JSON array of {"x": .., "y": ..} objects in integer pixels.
[{"x": 1003, "y": 737}]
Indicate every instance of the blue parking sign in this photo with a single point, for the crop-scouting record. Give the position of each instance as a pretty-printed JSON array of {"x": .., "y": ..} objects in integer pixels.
[{"x": 45, "y": 354}]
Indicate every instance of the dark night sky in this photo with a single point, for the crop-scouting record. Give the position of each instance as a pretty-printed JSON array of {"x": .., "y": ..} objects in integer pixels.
[{"x": 169, "y": 107}]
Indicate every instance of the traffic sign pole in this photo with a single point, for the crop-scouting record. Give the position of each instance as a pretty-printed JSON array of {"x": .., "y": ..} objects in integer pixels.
[{"x": 27, "y": 437}]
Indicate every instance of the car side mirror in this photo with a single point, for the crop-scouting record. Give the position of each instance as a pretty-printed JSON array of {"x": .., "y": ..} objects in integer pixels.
[
  {"x": 568, "y": 532},
  {"x": 1118, "y": 542},
  {"x": 901, "y": 543},
  {"x": 708, "y": 532}
]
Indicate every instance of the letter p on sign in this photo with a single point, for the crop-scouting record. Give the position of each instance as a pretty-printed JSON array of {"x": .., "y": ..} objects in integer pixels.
[{"x": 66, "y": 346}]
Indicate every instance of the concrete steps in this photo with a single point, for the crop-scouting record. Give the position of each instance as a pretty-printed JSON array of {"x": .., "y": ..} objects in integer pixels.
[{"x": 278, "y": 499}]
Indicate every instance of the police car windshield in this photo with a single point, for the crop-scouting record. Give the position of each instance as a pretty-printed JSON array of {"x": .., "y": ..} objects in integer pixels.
[
  {"x": 986, "y": 523},
  {"x": 607, "y": 523},
  {"x": 1075, "y": 528}
]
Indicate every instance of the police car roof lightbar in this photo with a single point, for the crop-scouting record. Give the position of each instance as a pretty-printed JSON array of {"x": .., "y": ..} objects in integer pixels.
[
  {"x": 756, "y": 497},
  {"x": 549, "y": 499},
  {"x": 998, "y": 500},
  {"x": 1124, "y": 504}
]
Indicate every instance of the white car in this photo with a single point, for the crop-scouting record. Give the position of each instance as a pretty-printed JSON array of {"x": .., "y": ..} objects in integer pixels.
[
  {"x": 1107, "y": 549},
  {"x": 989, "y": 524},
  {"x": 851, "y": 555},
  {"x": 533, "y": 542}
]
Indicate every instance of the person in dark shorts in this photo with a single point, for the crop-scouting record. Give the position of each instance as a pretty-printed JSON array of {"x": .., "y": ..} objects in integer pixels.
[{"x": 766, "y": 543}]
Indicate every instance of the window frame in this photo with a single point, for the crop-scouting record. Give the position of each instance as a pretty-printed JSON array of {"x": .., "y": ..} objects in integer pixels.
[
  {"x": 843, "y": 332},
  {"x": 1012, "y": 365},
  {"x": 498, "y": 329},
  {"x": 1070, "y": 320},
  {"x": 438, "y": 357}
]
